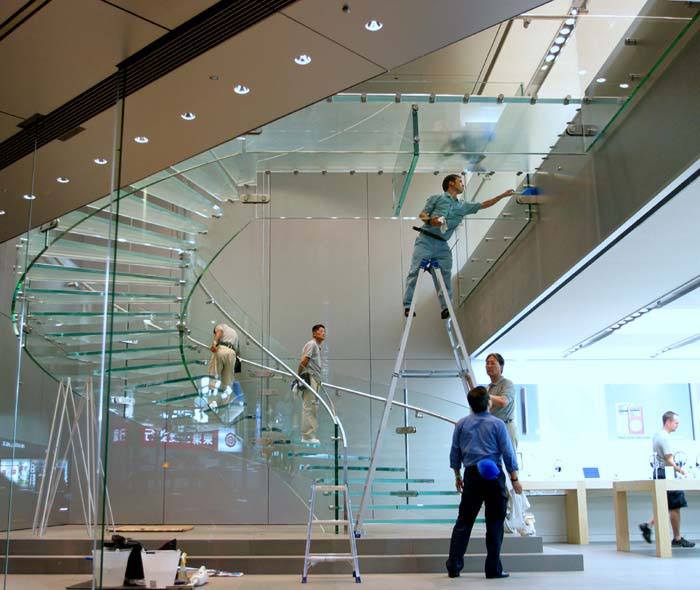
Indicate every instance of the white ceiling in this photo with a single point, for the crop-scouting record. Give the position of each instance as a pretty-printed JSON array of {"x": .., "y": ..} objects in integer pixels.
[{"x": 655, "y": 258}]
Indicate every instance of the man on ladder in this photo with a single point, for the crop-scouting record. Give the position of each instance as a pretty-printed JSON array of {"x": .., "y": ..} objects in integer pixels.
[{"x": 441, "y": 215}]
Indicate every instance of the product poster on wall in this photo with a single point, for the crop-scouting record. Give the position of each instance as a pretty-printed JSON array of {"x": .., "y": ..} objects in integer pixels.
[{"x": 630, "y": 419}]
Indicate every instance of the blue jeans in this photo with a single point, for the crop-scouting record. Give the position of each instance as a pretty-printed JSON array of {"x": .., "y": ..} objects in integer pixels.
[{"x": 427, "y": 247}]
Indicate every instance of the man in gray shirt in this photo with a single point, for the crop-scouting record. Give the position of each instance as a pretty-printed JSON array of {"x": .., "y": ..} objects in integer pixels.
[
  {"x": 663, "y": 457},
  {"x": 502, "y": 395},
  {"x": 311, "y": 368}
]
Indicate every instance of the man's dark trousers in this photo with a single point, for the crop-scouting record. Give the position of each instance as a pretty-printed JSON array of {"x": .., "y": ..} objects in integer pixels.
[{"x": 478, "y": 491}]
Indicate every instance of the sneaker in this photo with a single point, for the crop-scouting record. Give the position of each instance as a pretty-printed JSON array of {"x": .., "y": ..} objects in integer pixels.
[
  {"x": 646, "y": 531},
  {"x": 444, "y": 314},
  {"x": 682, "y": 543}
]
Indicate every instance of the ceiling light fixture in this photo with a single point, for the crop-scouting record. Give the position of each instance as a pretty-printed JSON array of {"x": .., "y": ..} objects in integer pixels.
[
  {"x": 188, "y": 116},
  {"x": 624, "y": 85},
  {"x": 544, "y": 67},
  {"x": 2, "y": 212},
  {"x": 600, "y": 80},
  {"x": 29, "y": 197},
  {"x": 570, "y": 21},
  {"x": 141, "y": 139},
  {"x": 241, "y": 89},
  {"x": 550, "y": 57},
  {"x": 373, "y": 26},
  {"x": 560, "y": 40},
  {"x": 302, "y": 60},
  {"x": 554, "y": 49},
  {"x": 565, "y": 31},
  {"x": 63, "y": 180},
  {"x": 100, "y": 161}
]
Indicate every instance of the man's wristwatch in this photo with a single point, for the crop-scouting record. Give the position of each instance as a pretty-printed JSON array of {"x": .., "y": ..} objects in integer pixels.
[{"x": 513, "y": 479}]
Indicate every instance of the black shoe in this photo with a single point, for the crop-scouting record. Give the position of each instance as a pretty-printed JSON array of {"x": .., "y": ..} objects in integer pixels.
[
  {"x": 444, "y": 314},
  {"x": 406, "y": 310},
  {"x": 452, "y": 574},
  {"x": 501, "y": 575},
  {"x": 682, "y": 543},
  {"x": 646, "y": 531}
]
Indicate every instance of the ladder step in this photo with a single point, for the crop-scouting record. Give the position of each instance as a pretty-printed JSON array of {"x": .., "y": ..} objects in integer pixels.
[
  {"x": 321, "y": 557},
  {"x": 430, "y": 374},
  {"x": 330, "y": 521},
  {"x": 329, "y": 488}
]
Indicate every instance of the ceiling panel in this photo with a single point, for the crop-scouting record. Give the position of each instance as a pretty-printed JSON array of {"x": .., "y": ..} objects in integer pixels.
[
  {"x": 277, "y": 84},
  {"x": 8, "y": 125},
  {"x": 9, "y": 7},
  {"x": 63, "y": 49},
  {"x": 409, "y": 31},
  {"x": 168, "y": 13}
]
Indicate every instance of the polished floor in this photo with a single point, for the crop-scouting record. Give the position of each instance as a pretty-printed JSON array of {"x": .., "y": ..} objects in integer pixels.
[{"x": 604, "y": 568}]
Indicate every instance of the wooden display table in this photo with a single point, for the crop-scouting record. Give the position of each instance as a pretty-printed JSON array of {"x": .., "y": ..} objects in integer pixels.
[
  {"x": 657, "y": 488},
  {"x": 576, "y": 503}
]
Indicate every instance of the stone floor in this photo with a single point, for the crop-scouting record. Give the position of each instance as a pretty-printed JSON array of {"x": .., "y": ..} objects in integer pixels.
[{"x": 604, "y": 568}]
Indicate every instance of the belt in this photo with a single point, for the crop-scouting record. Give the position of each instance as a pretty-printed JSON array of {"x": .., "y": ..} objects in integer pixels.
[
  {"x": 429, "y": 234},
  {"x": 228, "y": 345}
]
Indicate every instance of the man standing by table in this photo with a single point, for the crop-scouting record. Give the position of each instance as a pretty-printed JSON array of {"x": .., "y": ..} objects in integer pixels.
[
  {"x": 663, "y": 457},
  {"x": 479, "y": 443}
]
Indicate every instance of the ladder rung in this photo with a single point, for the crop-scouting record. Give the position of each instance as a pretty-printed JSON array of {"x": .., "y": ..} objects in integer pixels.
[
  {"x": 430, "y": 374},
  {"x": 331, "y": 521},
  {"x": 329, "y": 488},
  {"x": 319, "y": 557}
]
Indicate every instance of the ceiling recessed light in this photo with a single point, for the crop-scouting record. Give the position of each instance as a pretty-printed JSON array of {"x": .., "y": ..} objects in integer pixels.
[
  {"x": 570, "y": 21},
  {"x": 600, "y": 80},
  {"x": 141, "y": 139},
  {"x": 100, "y": 161},
  {"x": 373, "y": 26},
  {"x": 544, "y": 67},
  {"x": 550, "y": 57},
  {"x": 29, "y": 197},
  {"x": 2, "y": 212},
  {"x": 554, "y": 49},
  {"x": 240, "y": 89},
  {"x": 624, "y": 85},
  {"x": 560, "y": 40},
  {"x": 63, "y": 180},
  {"x": 302, "y": 60},
  {"x": 565, "y": 31},
  {"x": 188, "y": 116}
]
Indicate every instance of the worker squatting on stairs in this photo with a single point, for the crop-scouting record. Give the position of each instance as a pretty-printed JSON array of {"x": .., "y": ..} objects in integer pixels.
[{"x": 441, "y": 216}]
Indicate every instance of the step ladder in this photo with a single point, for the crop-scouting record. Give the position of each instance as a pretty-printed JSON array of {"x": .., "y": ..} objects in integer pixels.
[
  {"x": 463, "y": 371},
  {"x": 311, "y": 559}
]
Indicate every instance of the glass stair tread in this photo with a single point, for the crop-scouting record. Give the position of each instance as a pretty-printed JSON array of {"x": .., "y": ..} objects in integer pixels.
[
  {"x": 170, "y": 189},
  {"x": 169, "y": 383},
  {"x": 321, "y": 455},
  {"x": 211, "y": 177},
  {"x": 378, "y": 480},
  {"x": 79, "y": 250},
  {"x": 95, "y": 337},
  {"x": 99, "y": 227},
  {"x": 414, "y": 507},
  {"x": 151, "y": 368},
  {"x": 479, "y": 520},
  {"x": 351, "y": 468},
  {"x": 126, "y": 353},
  {"x": 137, "y": 207},
  {"x": 57, "y": 272},
  {"x": 410, "y": 493},
  {"x": 82, "y": 296}
]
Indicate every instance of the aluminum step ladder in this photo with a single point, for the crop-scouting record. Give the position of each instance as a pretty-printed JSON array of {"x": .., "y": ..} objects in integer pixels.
[
  {"x": 463, "y": 371},
  {"x": 311, "y": 559}
]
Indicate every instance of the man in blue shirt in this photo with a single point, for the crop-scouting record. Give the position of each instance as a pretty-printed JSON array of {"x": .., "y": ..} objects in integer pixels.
[
  {"x": 481, "y": 437},
  {"x": 441, "y": 216}
]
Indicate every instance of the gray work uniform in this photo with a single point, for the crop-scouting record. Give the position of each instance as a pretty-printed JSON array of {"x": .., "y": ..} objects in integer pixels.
[
  {"x": 505, "y": 388},
  {"x": 313, "y": 375}
]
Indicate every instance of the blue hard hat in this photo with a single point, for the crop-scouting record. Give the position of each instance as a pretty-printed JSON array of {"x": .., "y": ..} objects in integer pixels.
[{"x": 488, "y": 469}]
